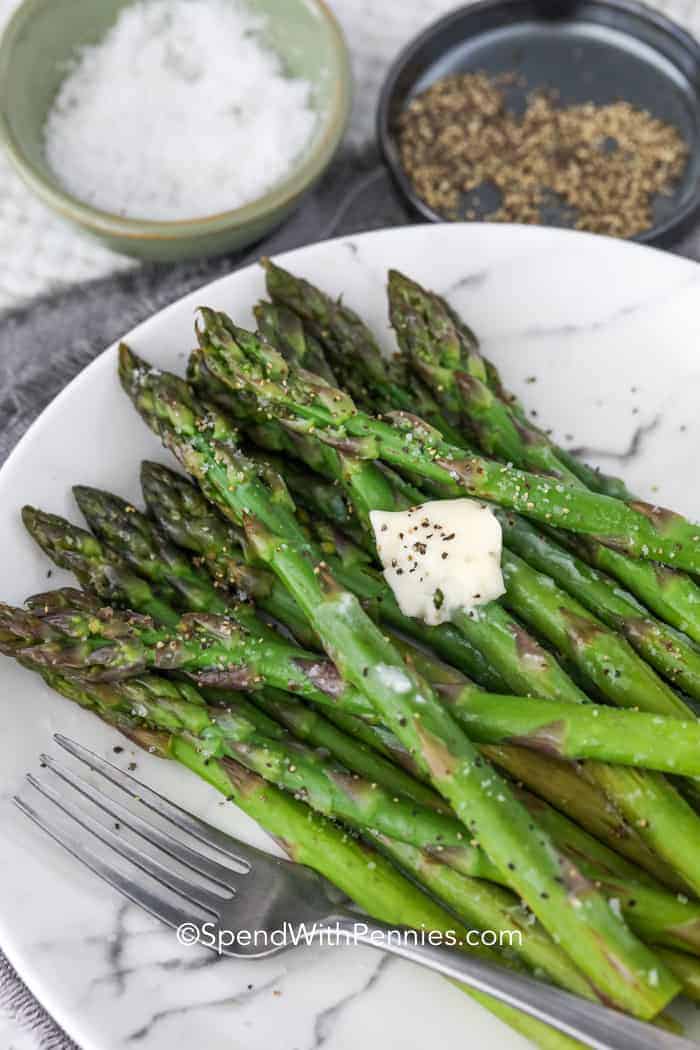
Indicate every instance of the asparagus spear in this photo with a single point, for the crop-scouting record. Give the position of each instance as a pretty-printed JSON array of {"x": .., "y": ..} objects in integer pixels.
[
  {"x": 462, "y": 895},
  {"x": 685, "y": 968},
  {"x": 237, "y": 731},
  {"x": 481, "y": 904},
  {"x": 604, "y": 657},
  {"x": 351, "y": 349},
  {"x": 632, "y": 802},
  {"x": 511, "y": 638},
  {"x": 362, "y": 873},
  {"x": 310, "y": 726},
  {"x": 495, "y": 634},
  {"x": 673, "y": 596},
  {"x": 655, "y": 914},
  {"x": 565, "y": 787},
  {"x": 647, "y": 800},
  {"x": 284, "y": 330},
  {"x": 302, "y": 401},
  {"x": 447, "y": 353},
  {"x": 484, "y": 905},
  {"x": 266, "y": 804},
  {"x": 503, "y": 647},
  {"x": 666, "y": 649},
  {"x": 591, "y": 935},
  {"x": 629, "y": 738},
  {"x": 139, "y": 541},
  {"x": 424, "y": 325},
  {"x": 648, "y": 581},
  {"x": 600, "y": 653},
  {"x": 484, "y": 370},
  {"x": 557, "y": 780},
  {"x": 658, "y": 917},
  {"x": 97, "y": 568},
  {"x": 624, "y": 737},
  {"x": 177, "y": 708},
  {"x": 99, "y": 645},
  {"x": 190, "y": 522},
  {"x": 49, "y": 641}
]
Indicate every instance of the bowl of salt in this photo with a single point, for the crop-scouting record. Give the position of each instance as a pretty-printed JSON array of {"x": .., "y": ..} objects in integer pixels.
[{"x": 173, "y": 129}]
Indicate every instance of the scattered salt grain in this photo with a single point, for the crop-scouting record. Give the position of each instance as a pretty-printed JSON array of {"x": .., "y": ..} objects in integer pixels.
[{"x": 181, "y": 111}]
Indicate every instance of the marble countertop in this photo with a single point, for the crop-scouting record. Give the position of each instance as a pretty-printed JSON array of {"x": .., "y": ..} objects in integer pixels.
[{"x": 62, "y": 301}]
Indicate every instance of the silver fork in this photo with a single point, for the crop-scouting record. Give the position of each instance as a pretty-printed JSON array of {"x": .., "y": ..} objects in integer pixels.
[{"x": 257, "y": 905}]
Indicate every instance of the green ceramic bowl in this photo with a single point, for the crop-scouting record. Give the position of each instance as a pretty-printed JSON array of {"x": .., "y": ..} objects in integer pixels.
[{"x": 44, "y": 34}]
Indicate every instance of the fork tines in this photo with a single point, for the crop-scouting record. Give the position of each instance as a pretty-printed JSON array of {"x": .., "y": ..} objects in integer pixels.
[{"x": 149, "y": 879}]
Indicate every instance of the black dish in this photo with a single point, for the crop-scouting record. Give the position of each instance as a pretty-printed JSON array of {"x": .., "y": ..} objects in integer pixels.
[{"x": 589, "y": 50}]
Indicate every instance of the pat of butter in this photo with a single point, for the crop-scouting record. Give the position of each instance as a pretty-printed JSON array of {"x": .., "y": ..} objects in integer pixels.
[{"x": 440, "y": 556}]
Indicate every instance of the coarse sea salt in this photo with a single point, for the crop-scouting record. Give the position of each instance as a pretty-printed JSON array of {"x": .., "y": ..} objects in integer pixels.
[{"x": 180, "y": 112}]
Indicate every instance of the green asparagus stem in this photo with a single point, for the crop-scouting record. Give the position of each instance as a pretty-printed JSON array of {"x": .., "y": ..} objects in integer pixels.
[
  {"x": 627, "y": 738},
  {"x": 466, "y": 897},
  {"x": 666, "y": 649},
  {"x": 189, "y": 521},
  {"x": 685, "y": 968},
  {"x": 666, "y": 807},
  {"x": 236, "y": 731},
  {"x": 303, "y": 402},
  {"x": 564, "y": 786},
  {"x": 446, "y": 354},
  {"x": 563, "y": 729},
  {"x": 672, "y": 595},
  {"x": 570, "y": 908},
  {"x": 148, "y": 550},
  {"x": 430, "y": 333},
  {"x": 483, "y": 905},
  {"x": 655, "y": 914},
  {"x": 177, "y": 708},
  {"x": 475, "y": 903},
  {"x": 501, "y": 640},
  {"x": 495, "y": 650},
  {"x": 308, "y": 725},
  {"x": 601, "y": 654},
  {"x": 605, "y": 658}
]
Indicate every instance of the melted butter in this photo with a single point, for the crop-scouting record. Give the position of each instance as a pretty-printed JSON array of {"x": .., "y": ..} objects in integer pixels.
[{"x": 440, "y": 557}]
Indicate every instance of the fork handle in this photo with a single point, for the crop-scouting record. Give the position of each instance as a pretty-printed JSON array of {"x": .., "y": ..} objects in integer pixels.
[{"x": 594, "y": 1025}]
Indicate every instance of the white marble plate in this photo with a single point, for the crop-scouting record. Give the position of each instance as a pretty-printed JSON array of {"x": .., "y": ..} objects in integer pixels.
[{"x": 601, "y": 338}]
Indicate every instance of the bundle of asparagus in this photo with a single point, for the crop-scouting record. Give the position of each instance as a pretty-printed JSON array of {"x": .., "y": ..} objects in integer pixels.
[{"x": 242, "y": 626}]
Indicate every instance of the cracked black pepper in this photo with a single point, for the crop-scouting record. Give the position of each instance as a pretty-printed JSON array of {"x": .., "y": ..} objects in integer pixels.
[{"x": 602, "y": 165}]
